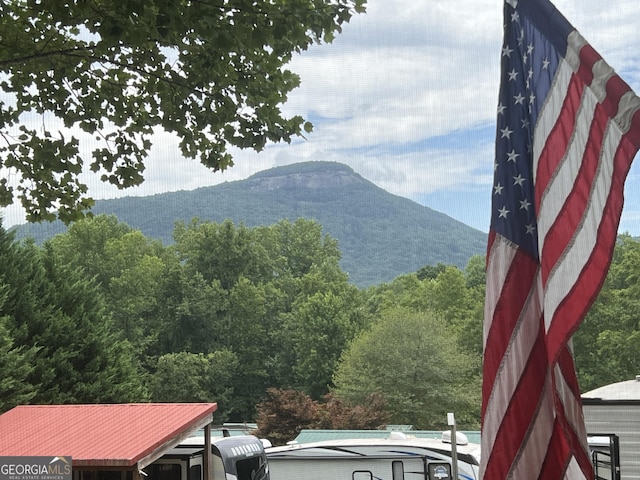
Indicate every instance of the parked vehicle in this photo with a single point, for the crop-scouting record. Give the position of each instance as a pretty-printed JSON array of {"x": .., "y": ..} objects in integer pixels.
[
  {"x": 239, "y": 457},
  {"x": 397, "y": 458}
]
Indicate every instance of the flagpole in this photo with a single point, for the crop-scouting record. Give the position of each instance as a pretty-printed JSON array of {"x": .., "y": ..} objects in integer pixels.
[{"x": 454, "y": 446}]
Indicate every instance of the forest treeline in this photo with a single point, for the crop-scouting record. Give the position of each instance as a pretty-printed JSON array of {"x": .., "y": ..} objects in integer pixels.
[{"x": 232, "y": 314}]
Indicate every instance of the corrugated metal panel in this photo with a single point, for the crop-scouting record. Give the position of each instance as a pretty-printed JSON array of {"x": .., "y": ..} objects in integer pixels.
[
  {"x": 624, "y": 421},
  {"x": 99, "y": 435}
]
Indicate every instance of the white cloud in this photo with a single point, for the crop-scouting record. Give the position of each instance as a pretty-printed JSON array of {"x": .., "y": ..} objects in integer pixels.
[{"x": 407, "y": 97}]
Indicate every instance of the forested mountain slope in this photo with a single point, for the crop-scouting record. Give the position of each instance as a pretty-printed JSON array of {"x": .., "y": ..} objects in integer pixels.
[{"x": 380, "y": 235}]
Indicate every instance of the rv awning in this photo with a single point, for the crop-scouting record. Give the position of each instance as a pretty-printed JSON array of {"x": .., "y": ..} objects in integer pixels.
[{"x": 118, "y": 435}]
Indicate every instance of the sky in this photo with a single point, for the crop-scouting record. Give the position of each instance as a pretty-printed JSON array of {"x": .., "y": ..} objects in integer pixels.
[{"x": 406, "y": 95}]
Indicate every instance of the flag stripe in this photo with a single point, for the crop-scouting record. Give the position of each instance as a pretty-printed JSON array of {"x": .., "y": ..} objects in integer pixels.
[
  {"x": 603, "y": 219},
  {"x": 552, "y": 109},
  {"x": 584, "y": 242},
  {"x": 512, "y": 363},
  {"x": 569, "y": 403},
  {"x": 556, "y": 459},
  {"x": 555, "y": 148},
  {"x": 532, "y": 453},
  {"x": 497, "y": 270},
  {"x": 566, "y": 368},
  {"x": 523, "y": 405},
  {"x": 588, "y": 58},
  {"x": 557, "y": 184},
  {"x": 573, "y": 193},
  {"x": 574, "y": 472},
  {"x": 507, "y": 315}
]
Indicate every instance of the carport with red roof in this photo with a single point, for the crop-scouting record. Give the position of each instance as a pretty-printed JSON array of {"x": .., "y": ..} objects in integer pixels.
[{"x": 114, "y": 437}]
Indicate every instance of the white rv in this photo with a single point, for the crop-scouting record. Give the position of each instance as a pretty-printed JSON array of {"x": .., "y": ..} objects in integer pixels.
[
  {"x": 397, "y": 458},
  {"x": 234, "y": 458}
]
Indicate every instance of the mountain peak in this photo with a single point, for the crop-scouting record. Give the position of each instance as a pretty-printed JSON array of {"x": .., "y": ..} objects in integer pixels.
[{"x": 306, "y": 175}]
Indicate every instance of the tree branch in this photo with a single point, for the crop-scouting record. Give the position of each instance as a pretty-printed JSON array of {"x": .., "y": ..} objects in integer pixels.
[{"x": 41, "y": 55}]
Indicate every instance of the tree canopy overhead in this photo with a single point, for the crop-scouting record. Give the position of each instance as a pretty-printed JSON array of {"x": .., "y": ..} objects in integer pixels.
[{"x": 210, "y": 71}]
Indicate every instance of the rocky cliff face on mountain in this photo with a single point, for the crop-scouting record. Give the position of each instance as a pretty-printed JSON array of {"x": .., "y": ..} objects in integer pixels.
[
  {"x": 380, "y": 235},
  {"x": 301, "y": 181}
]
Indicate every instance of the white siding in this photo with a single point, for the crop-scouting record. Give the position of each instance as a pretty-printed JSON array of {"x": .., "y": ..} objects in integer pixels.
[
  {"x": 334, "y": 469},
  {"x": 624, "y": 421}
]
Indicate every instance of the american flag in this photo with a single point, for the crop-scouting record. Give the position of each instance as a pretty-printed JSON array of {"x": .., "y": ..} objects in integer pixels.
[{"x": 567, "y": 130}]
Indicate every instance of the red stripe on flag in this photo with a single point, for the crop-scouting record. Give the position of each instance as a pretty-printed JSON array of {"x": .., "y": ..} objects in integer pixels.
[
  {"x": 490, "y": 240},
  {"x": 517, "y": 286},
  {"x": 522, "y": 407},
  {"x": 556, "y": 145},
  {"x": 567, "y": 366},
  {"x": 573, "y": 431},
  {"x": 558, "y": 455},
  {"x": 615, "y": 88},
  {"x": 631, "y": 139},
  {"x": 571, "y": 215},
  {"x": 588, "y": 58}
]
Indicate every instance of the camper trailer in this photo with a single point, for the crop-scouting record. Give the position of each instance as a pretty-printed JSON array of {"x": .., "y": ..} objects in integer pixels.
[
  {"x": 397, "y": 458},
  {"x": 615, "y": 408},
  {"x": 239, "y": 457}
]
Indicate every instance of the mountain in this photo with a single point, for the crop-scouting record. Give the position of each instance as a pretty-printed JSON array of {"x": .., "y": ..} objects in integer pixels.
[{"x": 380, "y": 235}]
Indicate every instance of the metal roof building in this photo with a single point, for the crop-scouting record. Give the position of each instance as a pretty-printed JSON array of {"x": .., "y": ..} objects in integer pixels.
[
  {"x": 108, "y": 436},
  {"x": 615, "y": 409},
  {"x": 627, "y": 391}
]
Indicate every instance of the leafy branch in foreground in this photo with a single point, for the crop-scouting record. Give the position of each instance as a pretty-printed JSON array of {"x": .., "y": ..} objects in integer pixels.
[{"x": 210, "y": 72}]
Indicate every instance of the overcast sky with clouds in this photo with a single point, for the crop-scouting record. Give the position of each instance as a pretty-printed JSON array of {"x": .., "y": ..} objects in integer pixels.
[{"x": 407, "y": 97}]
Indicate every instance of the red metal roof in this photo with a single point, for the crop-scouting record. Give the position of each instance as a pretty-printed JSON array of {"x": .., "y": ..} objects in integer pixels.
[{"x": 99, "y": 435}]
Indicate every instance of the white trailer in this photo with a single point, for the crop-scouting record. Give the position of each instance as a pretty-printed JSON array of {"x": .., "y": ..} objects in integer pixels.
[
  {"x": 404, "y": 458},
  {"x": 233, "y": 458}
]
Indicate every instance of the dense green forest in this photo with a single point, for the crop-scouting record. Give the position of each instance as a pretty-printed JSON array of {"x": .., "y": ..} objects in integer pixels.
[
  {"x": 380, "y": 235},
  {"x": 229, "y": 313}
]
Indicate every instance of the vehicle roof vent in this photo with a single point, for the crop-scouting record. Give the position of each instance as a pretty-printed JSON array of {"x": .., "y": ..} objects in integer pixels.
[{"x": 461, "y": 438}]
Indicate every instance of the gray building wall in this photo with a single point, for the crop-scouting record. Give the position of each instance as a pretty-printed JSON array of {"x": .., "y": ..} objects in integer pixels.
[{"x": 615, "y": 409}]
